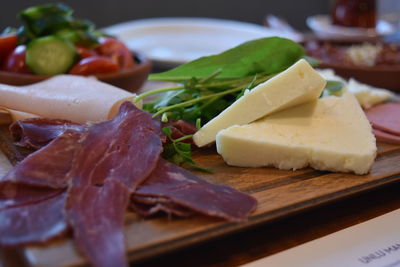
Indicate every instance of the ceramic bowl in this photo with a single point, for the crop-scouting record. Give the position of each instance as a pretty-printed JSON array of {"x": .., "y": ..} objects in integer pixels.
[{"x": 129, "y": 79}]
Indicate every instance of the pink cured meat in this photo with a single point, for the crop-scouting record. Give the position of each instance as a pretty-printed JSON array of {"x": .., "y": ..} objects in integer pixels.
[
  {"x": 121, "y": 154},
  {"x": 19, "y": 194},
  {"x": 38, "y": 132},
  {"x": 47, "y": 167},
  {"x": 34, "y": 223},
  {"x": 187, "y": 190},
  {"x": 386, "y": 137},
  {"x": 148, "y": 206},
  {"x": 97, "y": 217},
  {"x": 385, "y": 117}
]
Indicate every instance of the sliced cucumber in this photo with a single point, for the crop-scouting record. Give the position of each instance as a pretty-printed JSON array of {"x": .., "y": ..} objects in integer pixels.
[{"x": 50, "y": 55}]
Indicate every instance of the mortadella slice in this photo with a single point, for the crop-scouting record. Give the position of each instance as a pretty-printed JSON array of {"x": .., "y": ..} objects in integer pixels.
[
  {"x": 385, "y": 117},
  {"x": 386, "y": 137},
  {"x": 69, "y": 97}
]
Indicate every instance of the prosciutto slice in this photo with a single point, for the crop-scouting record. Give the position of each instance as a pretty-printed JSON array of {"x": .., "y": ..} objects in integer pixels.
[
  {"x": 86, "y": 176},
  {"x": 18, "y": 194},
  {"x": 34, "y": 223},
  {"x": 115, "y": 158},
  {"x": 385, "y": 117},
  {"x": 189, "y": 191},
  {"x": 38, "y": 132},
  {"x": 47, "y": 167},
  {"x": 97, "y": 217}
]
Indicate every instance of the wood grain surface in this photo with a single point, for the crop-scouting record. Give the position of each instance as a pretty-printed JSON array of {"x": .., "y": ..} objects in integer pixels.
[{"x": 280, "y": 193}]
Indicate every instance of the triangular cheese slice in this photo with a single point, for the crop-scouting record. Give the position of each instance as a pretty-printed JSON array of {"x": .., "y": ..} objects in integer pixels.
[
  {"x": 331, "y": 133},
  {"x": 298, "y": 84}
]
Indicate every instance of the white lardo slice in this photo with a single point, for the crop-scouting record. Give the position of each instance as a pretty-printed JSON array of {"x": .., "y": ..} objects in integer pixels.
[
  {"x": 331, "y": 133},
  {"x": 70, "y": 97},
  {"x": 298, "y": 84}
]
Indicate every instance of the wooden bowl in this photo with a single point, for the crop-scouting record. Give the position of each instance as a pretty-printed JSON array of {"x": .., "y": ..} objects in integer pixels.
[
  {"x": 383, "y": 76},
  {"x": 129, "y": 79},
  {"x": 387, "y": 77}
]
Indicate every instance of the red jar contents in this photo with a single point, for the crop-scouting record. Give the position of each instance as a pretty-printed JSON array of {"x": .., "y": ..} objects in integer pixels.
[{"x": 354, "y": 13}]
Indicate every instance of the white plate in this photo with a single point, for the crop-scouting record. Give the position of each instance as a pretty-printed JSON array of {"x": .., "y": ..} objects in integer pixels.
[
  {"x": 322, "y": 26},
  {"x": 173, "y": 41}
]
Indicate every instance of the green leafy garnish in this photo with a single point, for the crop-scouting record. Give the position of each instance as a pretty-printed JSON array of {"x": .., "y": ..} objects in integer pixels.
[
  {"x": 333, "y": 87},
  {"x": 210, "y": 84},
  {"x": 266, "y": 55},
  {"x": 180, "y": 152}
]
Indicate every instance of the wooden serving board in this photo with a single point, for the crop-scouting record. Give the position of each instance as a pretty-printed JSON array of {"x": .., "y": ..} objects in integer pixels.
[{"x": 280, "y": 193}]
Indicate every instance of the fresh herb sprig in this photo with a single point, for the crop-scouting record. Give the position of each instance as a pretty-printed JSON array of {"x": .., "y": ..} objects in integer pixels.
[{"x": 180, "y": 152}]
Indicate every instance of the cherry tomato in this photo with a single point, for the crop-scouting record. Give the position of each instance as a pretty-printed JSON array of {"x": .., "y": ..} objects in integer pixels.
[
  {"x": 85, "y": 52},
  {"x": 116, "y": 50},
  {"x": 7, "y": 44},
  {"x": 15, "y": 61},
  {"x": 94, "y": 65}
]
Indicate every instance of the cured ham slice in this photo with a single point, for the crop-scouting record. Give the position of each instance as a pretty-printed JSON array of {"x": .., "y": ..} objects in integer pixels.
[
  {"x": 38, "y": 132},
  {"x": 115, "y": 158},
  {"x": 47, "y": 167},
  {"x": 97, "y": 216},
  {"x": 189, "y": 191},
  {"x": 385, "y": 117},
  {"x": 34, "y": 223},
  {"x": 148, "y": 206},
  {"x": 69, "y": 97},
  {"x": 87, "y": 175},
  {"x": 18, "y": 194},
  {"x": 386, "y": 137}
]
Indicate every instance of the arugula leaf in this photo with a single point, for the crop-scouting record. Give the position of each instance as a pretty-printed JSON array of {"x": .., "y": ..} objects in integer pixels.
[
  {"x": 266, "y": 55},
  {"x": 179, "y": 152}
]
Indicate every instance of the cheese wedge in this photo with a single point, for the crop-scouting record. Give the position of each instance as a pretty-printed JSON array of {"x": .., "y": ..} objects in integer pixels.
[
  {"x": 70, "y": 97},
  {"x": 331, "y": 133},
  {"x": 298, "y": 84}
]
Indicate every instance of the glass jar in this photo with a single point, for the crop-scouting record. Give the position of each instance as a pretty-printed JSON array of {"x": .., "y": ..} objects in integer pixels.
[{"x": 354, "y": 13}]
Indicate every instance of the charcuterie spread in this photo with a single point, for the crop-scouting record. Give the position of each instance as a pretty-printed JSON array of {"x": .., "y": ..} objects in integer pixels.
[{"x": 98, "y": 151}]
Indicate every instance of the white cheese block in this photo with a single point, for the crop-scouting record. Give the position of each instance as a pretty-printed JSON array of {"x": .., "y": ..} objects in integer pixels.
[
  {"x": 331, "y": 133},
  {"x": 298, "y": 84}
]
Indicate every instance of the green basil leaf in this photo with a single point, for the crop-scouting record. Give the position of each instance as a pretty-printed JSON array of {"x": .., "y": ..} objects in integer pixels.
[{"x": 266, "y": 55}]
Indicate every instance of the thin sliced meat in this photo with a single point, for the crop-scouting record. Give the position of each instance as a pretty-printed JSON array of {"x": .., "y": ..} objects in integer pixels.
[
  {"x": 385, "y": 117},
  {"x": 148, "y": 206},
  {"x": 38, "y": 132},
  {"x": 96, "y": 217},
  {"x": 126, "y": 148},
  {"x": 189, "y": 191},
  {"x": 34, "y": 223},
  {"x": 181, "y": 128},
  {"x": 386, "y": 137},
  {"x": 19, "y": 194},
  {"x": 116, "y": 157},
  {"x": 49, "y": 166}
]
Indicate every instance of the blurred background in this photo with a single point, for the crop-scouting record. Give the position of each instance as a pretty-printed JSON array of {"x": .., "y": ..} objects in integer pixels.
[{"x": 105, "y": 13}]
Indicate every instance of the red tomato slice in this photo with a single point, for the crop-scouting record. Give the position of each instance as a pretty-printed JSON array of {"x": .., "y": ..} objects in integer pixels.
[
  {"x": 116, "y": 50},
  {"x": 94, "y": 65},
  {"x": 7, "y": 44},
  {"x": 15, "y": 61},
  {"x": 85, "y": 52}
]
